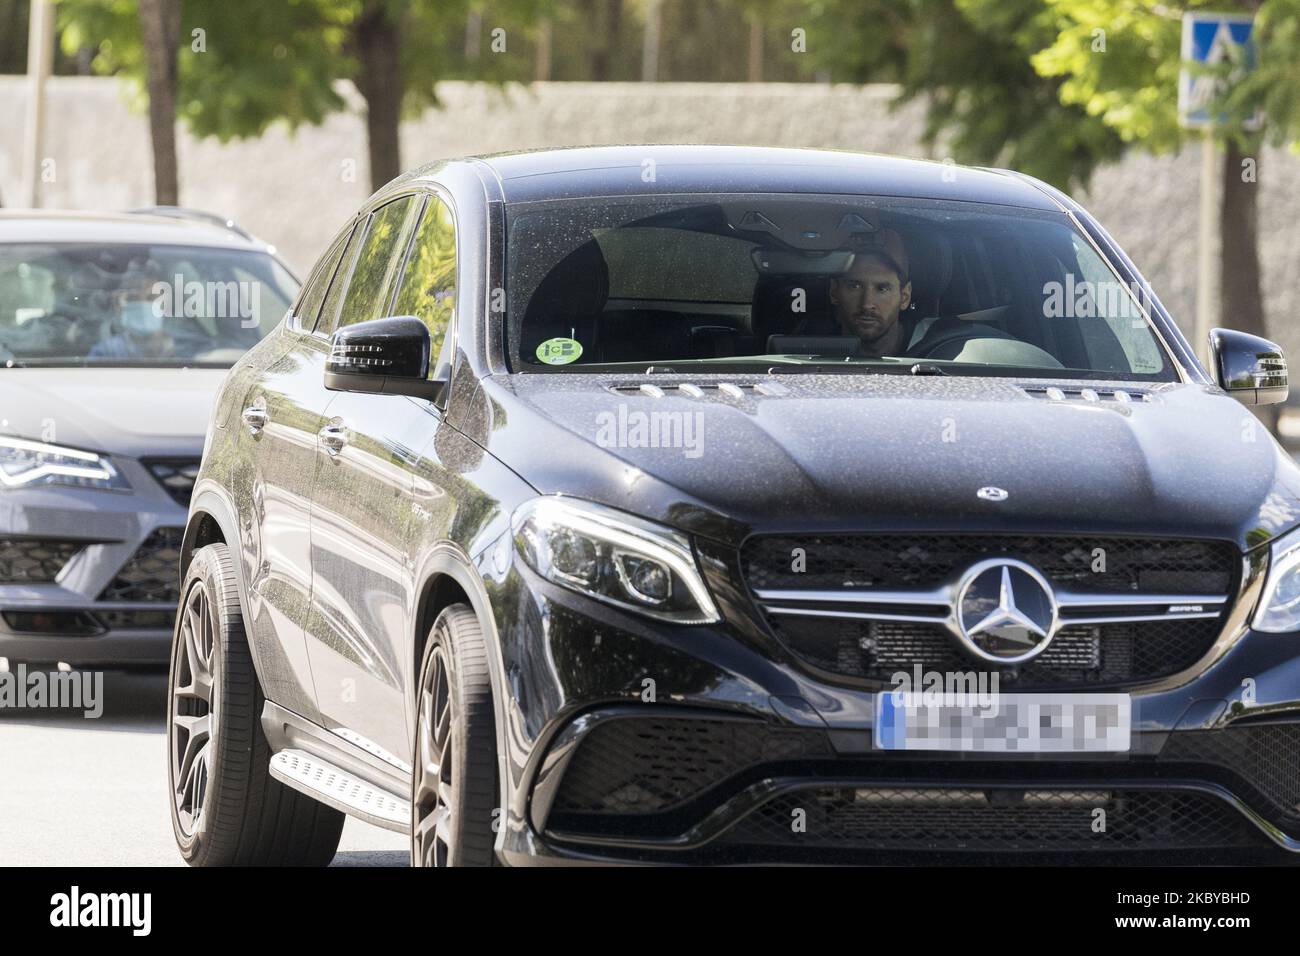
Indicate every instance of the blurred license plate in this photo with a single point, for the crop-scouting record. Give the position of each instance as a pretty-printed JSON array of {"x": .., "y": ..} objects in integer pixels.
[{"x": 1002, "y": 723}]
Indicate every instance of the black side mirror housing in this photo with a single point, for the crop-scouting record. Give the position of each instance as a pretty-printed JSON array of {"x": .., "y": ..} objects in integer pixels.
[
  {"x": 1250, "y": 369},
  {"x": 387, "y": 356}
]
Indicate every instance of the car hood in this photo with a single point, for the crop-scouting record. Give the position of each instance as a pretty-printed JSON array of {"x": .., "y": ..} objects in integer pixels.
[
  {"x": 136, "y": 412},
  {"x": 844, "y": 452}
]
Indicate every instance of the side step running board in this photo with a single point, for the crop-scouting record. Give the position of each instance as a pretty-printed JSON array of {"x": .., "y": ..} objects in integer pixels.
[{"x": 341, "y": 790}]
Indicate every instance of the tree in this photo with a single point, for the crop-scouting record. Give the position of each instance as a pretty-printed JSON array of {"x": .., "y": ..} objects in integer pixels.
[
  {"x": 1132, "y": 89},
  {"x": 160, "y": 29},
  {"x": 247, "y": 66},
  {"x": 969, "y": 62}
]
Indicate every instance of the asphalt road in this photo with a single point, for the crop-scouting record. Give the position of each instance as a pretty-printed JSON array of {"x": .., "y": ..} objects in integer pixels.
[{"x": 79, "y": 792}]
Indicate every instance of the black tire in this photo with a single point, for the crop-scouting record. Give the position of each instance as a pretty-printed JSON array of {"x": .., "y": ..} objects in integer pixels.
[
  {"x": 226, "y": 808},
  {"x": 454, "y": 782}
]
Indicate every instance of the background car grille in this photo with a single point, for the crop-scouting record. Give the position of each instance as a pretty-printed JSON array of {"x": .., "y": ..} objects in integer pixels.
[
  {"x": 177, "y": 475},
  {"x": 137, "y": 620},
  {"x": 151, "y": 574},
  {"x": 33, "y": 559},
  {"x": 1081, "y": 653},
  {"x": 945, "y": 819},
  {"x": 1078, "y": 654},
  {"x": 636, "y": 765},
  {"x": 926, "y": 561}
]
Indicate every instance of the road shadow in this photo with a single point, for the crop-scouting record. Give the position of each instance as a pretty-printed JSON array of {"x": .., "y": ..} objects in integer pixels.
[{"x": 134, "y": 701}]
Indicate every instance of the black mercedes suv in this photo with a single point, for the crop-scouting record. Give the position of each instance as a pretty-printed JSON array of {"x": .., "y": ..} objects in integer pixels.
[{"x": 710, "y": 504}]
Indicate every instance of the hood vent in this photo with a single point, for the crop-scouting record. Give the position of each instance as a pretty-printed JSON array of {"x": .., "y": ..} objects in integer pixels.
[
  {"x": 700, "y": 389},
  {"x": 1057, "y": 393}
]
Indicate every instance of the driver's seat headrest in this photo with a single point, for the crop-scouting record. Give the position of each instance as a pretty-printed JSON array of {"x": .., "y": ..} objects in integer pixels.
[{"x": 931, "y": 257}]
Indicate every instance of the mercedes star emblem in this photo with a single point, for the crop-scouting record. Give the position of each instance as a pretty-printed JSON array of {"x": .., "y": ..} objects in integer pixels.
[{"x": 1005, "y": 611}]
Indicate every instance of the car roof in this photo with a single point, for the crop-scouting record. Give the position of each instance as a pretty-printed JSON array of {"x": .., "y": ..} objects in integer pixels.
[
  {"x": 630, "y": 170},
  {"x": 78, "y": 226}
]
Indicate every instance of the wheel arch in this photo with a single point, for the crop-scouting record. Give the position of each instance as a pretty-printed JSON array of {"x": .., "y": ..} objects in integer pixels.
[
  {"x": 447, "y": 576},
  {"x": 211, "y": 521}
]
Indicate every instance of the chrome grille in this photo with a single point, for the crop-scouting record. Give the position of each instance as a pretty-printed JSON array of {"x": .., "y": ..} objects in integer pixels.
[
  {"x": 867, "y": 606},
  {"x": 1092, "y": 564}
]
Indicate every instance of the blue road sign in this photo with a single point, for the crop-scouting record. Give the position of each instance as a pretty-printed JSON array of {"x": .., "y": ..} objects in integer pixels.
[{"x": 1212, "y": 39}]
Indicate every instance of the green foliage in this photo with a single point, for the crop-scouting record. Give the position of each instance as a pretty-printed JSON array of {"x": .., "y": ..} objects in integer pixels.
[
  {"x": 969, "y": 60},
  {"x": 247, "y": 66},
  {"x": 1007, "y": 82},
  {"x": 1275, "y": 84},
  {"x": 243, "y": 66},
  {"x": 1133, "y": 85}
]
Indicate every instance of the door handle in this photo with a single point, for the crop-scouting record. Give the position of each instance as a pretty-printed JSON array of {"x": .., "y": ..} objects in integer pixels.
[
  {"x": 255, "y": 418},
  {"x": 334, "y": 437}
]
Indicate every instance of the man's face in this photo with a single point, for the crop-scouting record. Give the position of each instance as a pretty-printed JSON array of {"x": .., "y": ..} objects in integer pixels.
[{"x": 868, "y": 299}]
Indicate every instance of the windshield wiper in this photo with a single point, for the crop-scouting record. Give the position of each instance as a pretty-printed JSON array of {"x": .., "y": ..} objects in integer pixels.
[
  {"x": 920, "y": 368},
  {"x": 837, "y": 368}
]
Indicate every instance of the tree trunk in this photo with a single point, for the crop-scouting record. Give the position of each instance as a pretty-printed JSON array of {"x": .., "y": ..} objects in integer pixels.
[
  {"x": 542, "y": 68},
  {"x": 755, "y": 51},
  {"x": 605, "y": 19},
  {"x": 1241, "y": 303},
  {"x": 1241, "y": 300},
  {"x": 378, "y": 46},
  {"x": 650, "y": 42},
  {"x": 160, "y": 29}
]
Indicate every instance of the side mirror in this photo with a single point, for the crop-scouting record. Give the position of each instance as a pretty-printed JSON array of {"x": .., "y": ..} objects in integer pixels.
[
  {"x": 382, "y": 356},
  {"x": 1250, "y": 369}
]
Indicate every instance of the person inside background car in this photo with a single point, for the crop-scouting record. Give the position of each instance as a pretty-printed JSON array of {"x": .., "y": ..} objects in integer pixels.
[{"x": 142, "y": 333}]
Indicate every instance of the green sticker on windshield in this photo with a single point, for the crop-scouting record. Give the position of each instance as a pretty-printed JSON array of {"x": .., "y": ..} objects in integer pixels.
[{"x": 559, "y": 351}]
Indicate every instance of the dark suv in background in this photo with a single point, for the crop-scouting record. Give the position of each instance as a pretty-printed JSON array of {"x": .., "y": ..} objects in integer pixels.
[{"x": 700, "y": 504}]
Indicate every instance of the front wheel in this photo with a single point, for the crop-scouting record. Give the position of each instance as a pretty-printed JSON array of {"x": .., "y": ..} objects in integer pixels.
[
  {"x": 454, "y": 783},
  {"x": 227, "y": 809}
]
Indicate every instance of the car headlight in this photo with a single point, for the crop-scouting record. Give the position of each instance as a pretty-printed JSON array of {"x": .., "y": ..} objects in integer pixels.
[
  {"x": 1279, "y": 605},
  {"x": 614, "y": 557},
  {"x": 27, "y": 464}
]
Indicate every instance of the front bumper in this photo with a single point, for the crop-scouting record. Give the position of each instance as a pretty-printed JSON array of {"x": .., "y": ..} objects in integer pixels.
[
  {"x": 640, "y": 742},
  {"x": 108, "y": 597}
]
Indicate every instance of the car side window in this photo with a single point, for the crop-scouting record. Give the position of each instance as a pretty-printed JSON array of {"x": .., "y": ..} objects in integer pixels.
[
  {"x": 330, "y": 310},
  {"x": 380, "y": 258},
  {"x": 428, "y": 289},
  {"x": 313, "y": 294}
]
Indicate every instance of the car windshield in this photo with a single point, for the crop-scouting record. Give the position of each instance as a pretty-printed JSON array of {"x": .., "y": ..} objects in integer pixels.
[
  {"x": 816, "y": 283},
  {"x": 136, "y": 305}
]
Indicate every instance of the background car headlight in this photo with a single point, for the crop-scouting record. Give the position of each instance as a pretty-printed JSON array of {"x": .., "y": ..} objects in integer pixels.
[
  {"x": 27, "y": 464},
  {"x": 1279, "y": 605},
  {"x": 614, "y": 557}
]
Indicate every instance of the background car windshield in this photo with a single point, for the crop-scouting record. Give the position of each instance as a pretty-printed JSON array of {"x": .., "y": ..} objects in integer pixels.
[
  {"x": 64, "y": 304},
  {"x": 736, "y": 280}
]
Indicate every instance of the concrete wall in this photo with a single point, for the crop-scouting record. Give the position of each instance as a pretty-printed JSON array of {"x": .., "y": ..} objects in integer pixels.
[{"x": 295, "y": 189}]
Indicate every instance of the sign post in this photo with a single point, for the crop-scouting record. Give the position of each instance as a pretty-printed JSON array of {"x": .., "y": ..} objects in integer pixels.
[
  {"x": 1209, "y": 40},
  {"x": 40, "y": 52}
]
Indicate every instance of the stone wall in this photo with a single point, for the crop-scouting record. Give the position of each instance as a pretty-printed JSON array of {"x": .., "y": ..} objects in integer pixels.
[{"x": 295, "y": 189}]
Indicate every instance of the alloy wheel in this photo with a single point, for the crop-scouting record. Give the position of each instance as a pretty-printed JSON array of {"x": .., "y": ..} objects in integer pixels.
[
  {"x": 193, "y": 714},
  {"x": 434, "y": 803}
]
